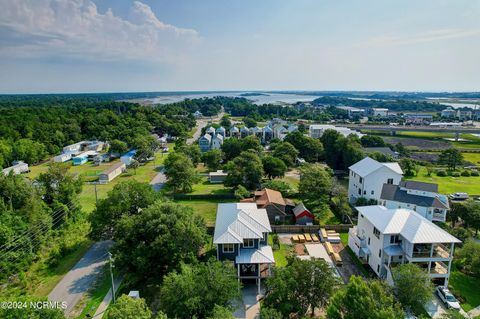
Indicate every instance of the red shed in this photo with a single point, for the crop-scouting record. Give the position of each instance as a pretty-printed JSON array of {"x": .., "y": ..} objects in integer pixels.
[{"x": 302, "y": 215}]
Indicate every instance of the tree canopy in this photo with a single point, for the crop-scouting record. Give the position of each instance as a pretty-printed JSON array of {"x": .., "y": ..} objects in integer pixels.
[
  {"x": 413, "y": 286},
  {"x": 246, "y": 169},
  {"x": 180, "y": 172},
  {"x": 127, "y": 307},
  {"x": 451, "y": 157}
]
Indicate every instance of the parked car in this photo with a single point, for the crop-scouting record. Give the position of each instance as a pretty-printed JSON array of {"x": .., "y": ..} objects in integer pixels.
[
  {"x": 459, "y": 196},
  {"x": 447, "y": 298}
]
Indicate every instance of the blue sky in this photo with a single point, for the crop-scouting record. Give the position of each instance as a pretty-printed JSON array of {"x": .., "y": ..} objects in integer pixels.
[{"x": 163, "y": 45}]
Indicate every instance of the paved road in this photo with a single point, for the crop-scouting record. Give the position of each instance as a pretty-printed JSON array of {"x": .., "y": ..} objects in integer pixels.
[
  {"x": 81, "y": 277},
  {"x": 201, "y": 123},
  {"x": 249, "y": 308}
]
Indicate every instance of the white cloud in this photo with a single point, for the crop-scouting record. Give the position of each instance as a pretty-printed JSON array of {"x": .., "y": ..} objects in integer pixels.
[
  {"x": 430, "y": 36},
  {"x": 75, "y": 28}
]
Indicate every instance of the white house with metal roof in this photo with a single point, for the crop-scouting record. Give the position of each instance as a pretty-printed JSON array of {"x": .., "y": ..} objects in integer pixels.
[
  {"x": 241, "y": 236},
  {"x": 420, "y": 197},
  {"x": 384, "y": 238},
  {"x": 366, "y": 178}
]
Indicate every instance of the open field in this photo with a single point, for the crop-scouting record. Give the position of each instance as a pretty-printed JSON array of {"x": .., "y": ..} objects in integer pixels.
[
  {"x": 467, "y": 287},
  {"x": 449, "y": 184},
  {"x": 205, "y": 208},
  {"x": 205, "y": 187},
  {"x": 473, "y": 158}
]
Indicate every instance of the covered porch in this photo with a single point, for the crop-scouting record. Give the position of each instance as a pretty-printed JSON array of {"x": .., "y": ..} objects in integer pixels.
[{"x": 254, "y": 264}]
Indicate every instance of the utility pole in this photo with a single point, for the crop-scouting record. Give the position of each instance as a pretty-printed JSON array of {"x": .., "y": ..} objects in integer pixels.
[
  {"x": 96, "y": 195},
  {"x": 111, "y": 275}
]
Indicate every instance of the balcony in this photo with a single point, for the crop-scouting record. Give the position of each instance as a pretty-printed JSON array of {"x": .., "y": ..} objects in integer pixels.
[
  {"x": 358, "y": 240},
  {"x": 439, "y": 216},
  {"x": 431, "y": 251},
  {"x": 438, "y": 268}
]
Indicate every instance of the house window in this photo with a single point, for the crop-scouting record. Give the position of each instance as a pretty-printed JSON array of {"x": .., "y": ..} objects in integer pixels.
[
  {"x": 228, "y": 248},
  {"x": 379, "y": 253},
  {"x": 378, "y": 268},
  {"x": 390, "y": 181},
  {"x": 359, "y": 191},
  {"x": 376, "y": 232},
  {"x": 364, "y": 192},
  {"x": 369, "y": 241},
  {"x": 394, "y": 239},
  {"x": 360, "y": 180},
  {"x": 372, "y": 192},
  {"x": 248, "y": 243},
  {"x": 361, "y": 215}
]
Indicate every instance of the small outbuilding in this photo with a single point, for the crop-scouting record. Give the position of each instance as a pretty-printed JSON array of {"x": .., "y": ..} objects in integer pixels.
[
  {"x": 110, "y": 173},
  {"x": 302, "y": 215},
  {"x": 217, "y": 177},
  {"x": 80, "y": 159},
  {"x": 127, "y": 158},
  {"x": 62, "y": 158},
  {"x": 18, "y": 167}
]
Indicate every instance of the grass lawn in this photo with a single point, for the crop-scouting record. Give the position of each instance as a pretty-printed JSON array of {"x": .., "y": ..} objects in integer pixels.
[
  {"x": 205, "y": 187},
  {"x": 449, "y": 184},
  {"x": 467, "y": 287},
  {"x": 281, "y": 254},
  {"x": 205, "y": 208},
  {"x": 472, "y": 157},
  {"x": 344, "y": 238},
  {"x": 93, "y": 299}
]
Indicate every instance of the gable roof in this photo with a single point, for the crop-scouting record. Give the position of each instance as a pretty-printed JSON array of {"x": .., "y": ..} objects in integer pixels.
[
  {"x": 299, "y": 209},
  {"x": 421, "y": 186},
  {"x": 270, "y": 196},
  {"x": 412, "y": 226},
  {"x": 238, "y": 221},
  {"x": 368, "y": 165},
  {"x": 262, "y": 255},
  {"x": 395, "y": 193},
  {"x": 206, "y": 137}
]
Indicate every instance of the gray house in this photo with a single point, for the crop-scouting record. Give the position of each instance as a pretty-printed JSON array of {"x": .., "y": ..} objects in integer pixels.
[
  {"x": 205, "y": 142},
  {"x": 241, "y": 236}
]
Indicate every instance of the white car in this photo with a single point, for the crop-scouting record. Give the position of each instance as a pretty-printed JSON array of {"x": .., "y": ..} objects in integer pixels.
[
  {"x": 447, "y": 298},
  {"x": 459, "y": 196}
]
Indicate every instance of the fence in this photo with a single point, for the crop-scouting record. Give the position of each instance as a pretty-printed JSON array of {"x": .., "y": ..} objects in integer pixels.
[
  {"x": 203, "y": 196},
  {"x": 282, "y": 229}
]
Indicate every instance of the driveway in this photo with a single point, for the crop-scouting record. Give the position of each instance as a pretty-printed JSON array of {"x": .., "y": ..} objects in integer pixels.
[
  {"x": 249, "y": 308},
  {"x": 435, "y": 308},
  {"x": 158, "y": 182},
  {"x": 82, "y": 276},
  {"x": 201, "y": 123}
]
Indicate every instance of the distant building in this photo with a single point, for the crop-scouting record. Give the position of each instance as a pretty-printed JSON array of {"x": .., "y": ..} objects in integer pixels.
[
  {"x": 205, "y": 142},
  {"x": 18, "y": 167},
  {"x": 418, "y": 118},
  {"x": 420, "y": 197},
  {"x": 210, "y": 130},
  {"x": 317, "y": 130},
  {"x": 128, "y": 157},
  {"x": 221, "y": 130},
  {"x": 267, "y": 133},
  {"x": 217, "y": 177},
  {"x": 279, "y": 131},
  {"x": 197, "y": 114},
  {"x": 80, "y": 159},
  {"x": 464, "y": 114},
  {"x": 217, "y": 142},
  {"x": 366, "y": 178},
  {"x": 62, "y": 157},
  {"x": 234, "y": 131},
  {"x": 382, "y": 150},
  {"x": 353, "y": 112},
  {"x": 449, "y": 112},
  {"x": 110, "y": 173},
  {"x": 381, "y": 112},
  {"x": 244, "y": 132}
]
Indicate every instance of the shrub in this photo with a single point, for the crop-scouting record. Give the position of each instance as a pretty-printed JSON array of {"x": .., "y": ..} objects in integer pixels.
[
  {"x": 475, "y": 173},
  {"x": 466, "y": 173},
  {"x": 455, "y": 174},
  {"x": 276, "y": 242},
  {"x": 441, "y": 173}
]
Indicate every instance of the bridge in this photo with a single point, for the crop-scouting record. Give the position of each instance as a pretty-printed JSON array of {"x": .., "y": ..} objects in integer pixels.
[{"x": 455, "y": 130}]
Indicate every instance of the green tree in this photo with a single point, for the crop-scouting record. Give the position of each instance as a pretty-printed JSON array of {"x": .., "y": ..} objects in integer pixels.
[
  {"x": 273, "y": 167},
  {"x": 5, "y": 153},
  {"x": 158, "y": 240},
  {"x": 329, "y": 141},
  {"x": 213, "y": 159},
  {"x": 192, "y": 151},
  {"x": 301, "y": 286},
  {"x": 225, "y": 122},
  {"x": 145, "y": 146},
  {"x": 402, "y": 150},
  {"x": 246, "y": 169},
  {"x": 231, "y": 147},
  {"x": 408, "y": 166},
  {"x": 127, "y": 307},
  {"x": 220, "y": 312},
  {"x": 413, "y": 286},
  {"x": 28, "y": 151},
  {"x": 117, "y": 146},
  {"x": 372, "y": 141},
  {"x": 241, "y": 192},
  {"x": 197, "y": 290},
  {"x": 451, "y": 157},
  {"x": 468, "y": 258},
  {"x": 310, "y": 149},
  {"x": 249, "y": 122},
  {"x": 362, "y": 299},
  {"x": 471, "y": 214},
  {"x": 278, "y": 185},
  {"x": 315, "y": 183},
  {"x": 180, "y": 172},
  {"x": 125, "y": 199},
  {"x": 286, "y": 152},
  {"x": 380, "y": 157},
  {"x": 61, "y": 187},
  {"x": 270, "y": 313},
  {"x": 452, "y": 314},
  {"x": 30, "y": 312}
]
